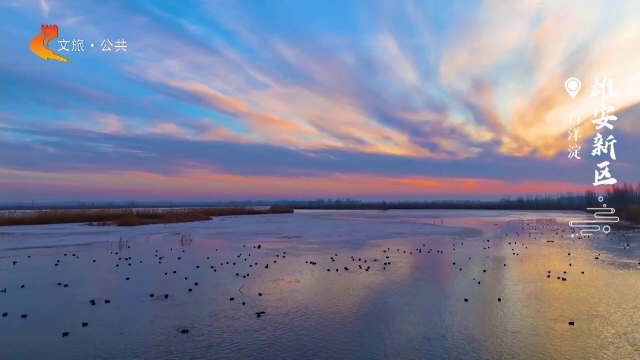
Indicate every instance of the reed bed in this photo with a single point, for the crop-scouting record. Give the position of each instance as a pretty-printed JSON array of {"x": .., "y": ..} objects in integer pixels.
[{"x": 129, "y": 217}]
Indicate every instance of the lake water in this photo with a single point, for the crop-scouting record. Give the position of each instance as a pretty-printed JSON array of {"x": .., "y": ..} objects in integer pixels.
[{"x": 412, "y": 308}]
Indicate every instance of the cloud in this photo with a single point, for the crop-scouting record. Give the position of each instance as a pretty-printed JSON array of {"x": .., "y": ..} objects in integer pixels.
[
  {"x": 394, "y": 62},
  {"x": 529, "y": 63},
  {"x": 202, "y": 186},
  {"x": 491, "y": 91},
  {"x": 416, "y": 93},
  {"x": 110, "y": 123},
  {"x": 167, "y": 150},
  {"x": 44, "y": 7}
]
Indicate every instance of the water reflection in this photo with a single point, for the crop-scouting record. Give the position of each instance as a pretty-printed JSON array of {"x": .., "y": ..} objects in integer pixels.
[{"x": 410, "y": 308}]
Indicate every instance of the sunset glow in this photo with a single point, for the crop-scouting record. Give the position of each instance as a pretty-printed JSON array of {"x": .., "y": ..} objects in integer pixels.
[{"x": 238, "y": 100}]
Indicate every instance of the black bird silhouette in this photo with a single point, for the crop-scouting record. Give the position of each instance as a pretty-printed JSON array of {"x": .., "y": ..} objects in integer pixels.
[
  {"x": 84, "y": 324},
  {"x": 4, "y": 314},
  {"x": 23, "y": 316},
  {"x": 184, "y": 331},
  {"x": 65, "y": 334}
]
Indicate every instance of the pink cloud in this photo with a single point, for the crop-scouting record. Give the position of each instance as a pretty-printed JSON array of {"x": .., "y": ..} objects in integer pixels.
[{"x": 213, "y": 186}]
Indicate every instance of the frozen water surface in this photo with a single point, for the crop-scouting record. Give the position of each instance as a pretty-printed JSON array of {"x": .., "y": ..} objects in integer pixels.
[{"x": 412, "y": 308}]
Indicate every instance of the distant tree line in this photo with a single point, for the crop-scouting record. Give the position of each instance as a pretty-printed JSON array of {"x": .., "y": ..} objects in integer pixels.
[
  {"x": 616, "y": 196},
  {"x": 625, "y": 199}
]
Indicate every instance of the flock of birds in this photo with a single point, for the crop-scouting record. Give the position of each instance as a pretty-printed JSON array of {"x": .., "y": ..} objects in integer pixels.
[{"x": 527, "y": 231}]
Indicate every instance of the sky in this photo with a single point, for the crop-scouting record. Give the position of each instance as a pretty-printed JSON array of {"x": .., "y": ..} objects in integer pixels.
[{"x": 290, "y": 99}]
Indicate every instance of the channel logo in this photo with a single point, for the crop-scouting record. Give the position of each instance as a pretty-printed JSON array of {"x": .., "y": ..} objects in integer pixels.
[{"x": 40, "y": 44}]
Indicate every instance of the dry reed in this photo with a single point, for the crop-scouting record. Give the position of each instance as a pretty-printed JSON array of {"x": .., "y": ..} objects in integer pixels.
[{"x": 128, "y": 217}]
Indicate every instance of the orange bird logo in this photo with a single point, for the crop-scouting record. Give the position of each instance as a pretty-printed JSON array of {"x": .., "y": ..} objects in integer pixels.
[{"x": 40, "y": 44}]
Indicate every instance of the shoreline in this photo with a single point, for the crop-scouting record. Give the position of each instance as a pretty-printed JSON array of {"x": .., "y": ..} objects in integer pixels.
[{"x": 138, "y": 216}]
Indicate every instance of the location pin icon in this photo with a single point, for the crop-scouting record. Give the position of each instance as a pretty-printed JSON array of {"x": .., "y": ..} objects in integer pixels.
[{"x": 572, "y": 85}]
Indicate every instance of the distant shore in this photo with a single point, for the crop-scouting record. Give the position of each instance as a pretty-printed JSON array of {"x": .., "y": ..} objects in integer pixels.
[
  {"x": 308, "y": 205},
  {"x": 129, "y": 217},
  {"x": 624, "y": 198},
  {"x": 146, "y": 216}
]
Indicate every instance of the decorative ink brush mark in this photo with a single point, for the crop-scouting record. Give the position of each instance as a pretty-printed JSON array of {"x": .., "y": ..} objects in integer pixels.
[
  {"x": 40, "y": 44},
  {"x": 602, "y": 215}
]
